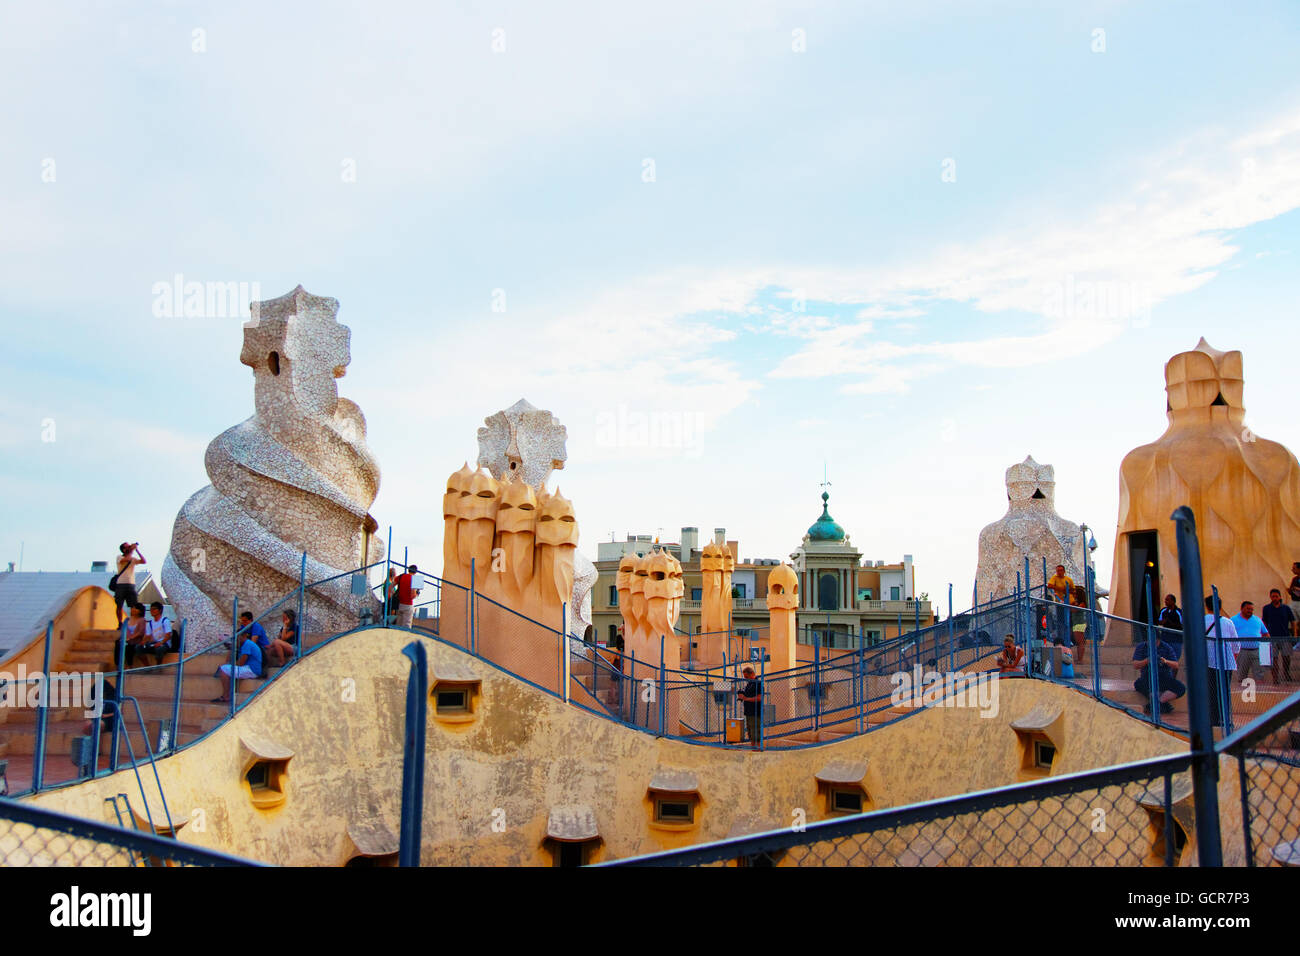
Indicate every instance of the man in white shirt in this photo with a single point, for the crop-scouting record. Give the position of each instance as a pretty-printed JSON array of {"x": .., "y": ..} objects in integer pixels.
[
  {"x": 157, "y": 632},
  {"x": 1221, "y": 647}
]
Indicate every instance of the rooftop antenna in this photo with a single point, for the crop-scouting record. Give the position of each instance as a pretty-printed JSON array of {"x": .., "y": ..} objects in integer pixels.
[{"x": 826, "y": 482}]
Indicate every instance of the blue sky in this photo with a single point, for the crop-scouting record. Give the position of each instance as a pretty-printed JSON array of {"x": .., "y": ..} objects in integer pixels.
[{"x": 797, "y": 285}]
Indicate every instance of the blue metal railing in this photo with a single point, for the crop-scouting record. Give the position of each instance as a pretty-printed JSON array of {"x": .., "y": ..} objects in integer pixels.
[{"x": 832, "y": 692}]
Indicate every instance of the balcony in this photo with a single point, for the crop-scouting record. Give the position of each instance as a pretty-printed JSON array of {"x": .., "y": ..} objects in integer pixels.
[
  {"x": 893, "y": 607},
  {"x": 737, "y": 604}
]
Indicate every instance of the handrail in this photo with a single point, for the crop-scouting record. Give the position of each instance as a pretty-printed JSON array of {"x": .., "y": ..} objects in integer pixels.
[
  {"x": 933, "y": 642},
  {"x": 149, "y": 844}
]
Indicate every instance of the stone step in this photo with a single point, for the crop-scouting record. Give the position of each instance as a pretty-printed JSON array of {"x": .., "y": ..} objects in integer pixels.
[
  {"x": 93, "y": 660},
  {"x": 105, "y": 644}
]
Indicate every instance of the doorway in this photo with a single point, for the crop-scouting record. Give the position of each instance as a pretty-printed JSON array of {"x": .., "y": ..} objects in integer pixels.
[{"x": 1143, "y": 559}]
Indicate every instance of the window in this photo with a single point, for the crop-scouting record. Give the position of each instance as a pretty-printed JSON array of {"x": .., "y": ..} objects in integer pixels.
[
  {"x": 613, "y": 635},
  {"x": 828, "y": 592},
  {"x": 864, "y": 594},
  {"x": 738, "y": 590},
  {"x": 744, "y": 632},
  {"x": 613, "y": 595},
  {"x": 266, "y": 781},
  {"x": 1044, "y": 754},
  {"x": 697, "y": 594},
  {"x": 845, "y": 801},
  {"x": 1158, "y": 849},
  {"x": 572, "y": 854},
  {"x": 264, "y": 770},
  {"x": 673, "y": 799},
  {"x": 894, "y": 593},
  {"x": 456, "y": 694},
  {"x": 674, "y": 810},
  {"x": 453, "y": 701}
]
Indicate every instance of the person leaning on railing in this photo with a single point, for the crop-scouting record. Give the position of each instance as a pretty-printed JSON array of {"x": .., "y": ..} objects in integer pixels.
[
  {"x": 1012, "y": 659},
  {"x": 751, "y": 696}
]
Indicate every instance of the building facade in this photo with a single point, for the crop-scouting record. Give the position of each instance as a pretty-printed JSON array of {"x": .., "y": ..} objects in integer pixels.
[{"x": 844, "y": 600}]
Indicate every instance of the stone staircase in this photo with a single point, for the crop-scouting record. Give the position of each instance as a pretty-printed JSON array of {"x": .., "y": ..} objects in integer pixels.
[{"x": 153, "y": 687}]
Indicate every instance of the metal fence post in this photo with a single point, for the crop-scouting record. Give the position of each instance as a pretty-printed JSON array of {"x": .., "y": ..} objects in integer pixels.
[
  {"x": 1243, "y": 778},
  {"x": 180, "y": 676},
  {"x": 234, "y": 652},
  {"x": 564, "y": 651},
  {"x": 1205, "y": 763},
  {"x": 473, "y": 634},
  {"x": 816, "y": 685},
  {"x": 1224, "y": 680},
  {"x": 417, "y": 702},
  {"x": 1153, "y": 659},
  {"x": 952, "y": 633},
  {"x": 42, "y": 714},
  {"x": 1090, "y": 631},
  {"x": 631, "y": 685},
  {"x": 300, "y": 624},
  {"x": 663, "y": 684},
  {"x": 1017, "y": 612},
  {"x": 116, "y": 743}
]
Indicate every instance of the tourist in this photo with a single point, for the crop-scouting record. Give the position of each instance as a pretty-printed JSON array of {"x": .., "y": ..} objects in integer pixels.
[
  {"x": 1060, "y": 584},
  {"x": 1012, "y": 659},
  {"x": 751, "y": 696},
  {"x": 1171, "y": 619},
  {"x": 123, "y": 583},
  {"x": 1249, "y": 629},
  {"x": 1294, "y": 590},
  {"x": 407, "y": 592},
  {"x": 135, "y": 632},
  {"x": 158, "y": 633},
  {"x": 1280, "y": 623},
  {"x": 1067, "y": 662},
  {"x": 1221, "y": 653},
  {"x": 1168, "y": 687},
  {"x": 108, "y": 709},
  {"x": 247, "y": 665},
  {"x": 282, "y": 647},
  {"x": 390, "y": 596},
  {"x": 251, "y": 628},
  {"x": 1079, "y": 619}
]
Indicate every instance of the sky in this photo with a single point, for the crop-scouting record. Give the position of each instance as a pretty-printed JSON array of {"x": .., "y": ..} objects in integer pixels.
[{"x": 903, "y": 246}]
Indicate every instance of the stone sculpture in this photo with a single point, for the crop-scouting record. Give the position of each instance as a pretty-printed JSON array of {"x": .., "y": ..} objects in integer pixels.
[
  {"x": 1244, "y": 491},
  {"x": 717, "y": 564},
  {"x": 782, "y": 611},
  {"x": 525, "y": 444},
  {"x": 296, "y": 476},
  {"x": 1030, "y": 528}
]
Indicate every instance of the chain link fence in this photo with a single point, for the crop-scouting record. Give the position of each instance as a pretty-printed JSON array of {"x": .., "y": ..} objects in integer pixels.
[
  {"x": 1267, "y": 757},
  {"x": 31, "y": 836},
  {"x": 1135, "y": 815}
]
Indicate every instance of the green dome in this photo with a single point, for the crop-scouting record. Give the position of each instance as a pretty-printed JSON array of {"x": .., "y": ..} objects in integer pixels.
[{"x": 825, "y": 528}]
